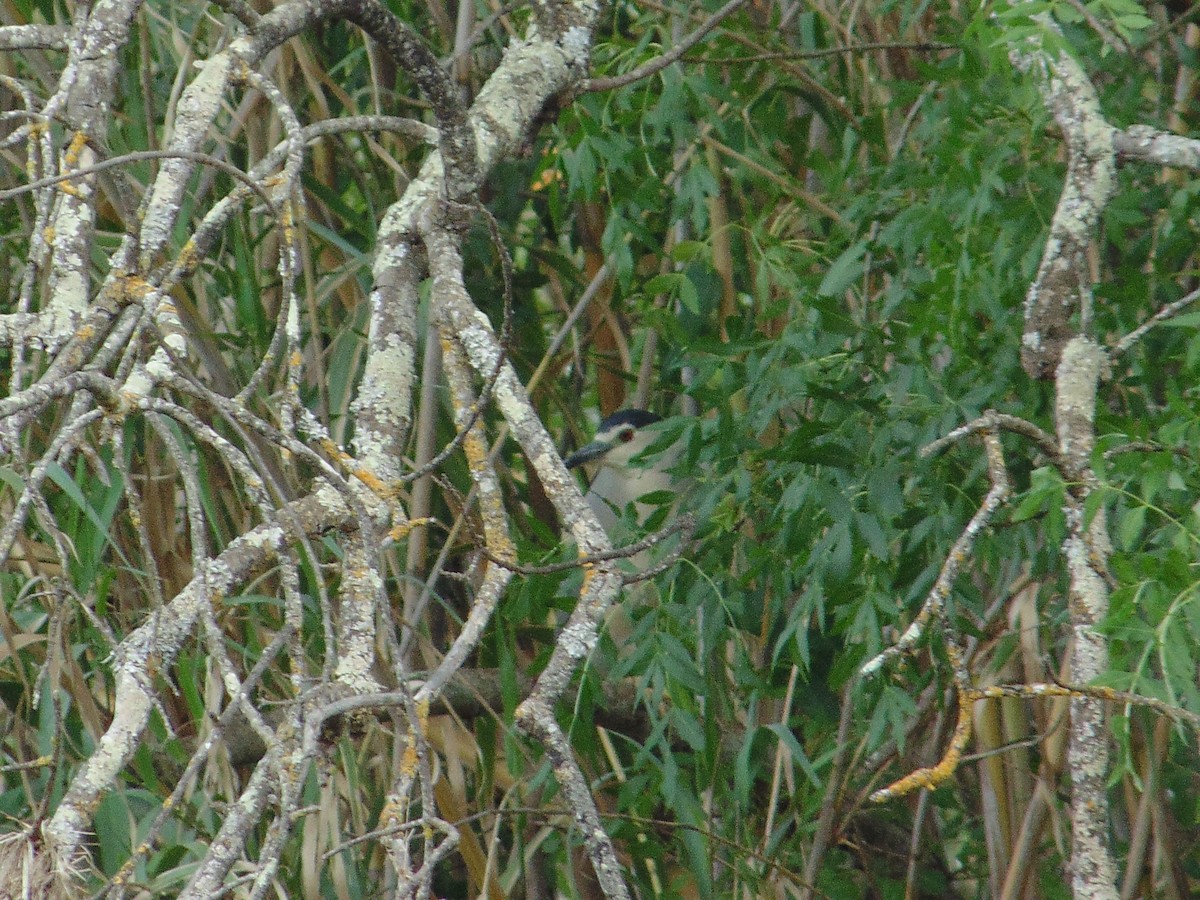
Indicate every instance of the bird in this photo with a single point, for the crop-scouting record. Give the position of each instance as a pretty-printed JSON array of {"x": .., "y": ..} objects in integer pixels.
[{"x": 617, "y": 478}]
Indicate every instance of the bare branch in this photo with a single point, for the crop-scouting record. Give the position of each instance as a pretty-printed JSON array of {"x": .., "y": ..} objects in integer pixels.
[
  {"x": 457, "y": 142},
  {"x": 933, "y": 609},
  {"x": 33, "y": 37},
  {"x": 659, "y": 63},
  {"x": 1062, "y": 286},
  {"x": 601, "y": 583},
  {"x": 932, "y": 777},
  {"x": 139, "y": 156},
  {"x": 992, "y": 420},
  {"x": 1162, "y": 315}
]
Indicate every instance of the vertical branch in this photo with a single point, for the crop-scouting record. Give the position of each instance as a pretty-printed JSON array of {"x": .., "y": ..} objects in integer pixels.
[
  {"x": 361, "y": 593},
  {"x": 495, "y": 524},
  {"x": 88, "y": 86},
  {"x": 601, "y": 581},
  {"x": 422, "y": 490},
  {"x": 1062, "y": 285},
  {"x": 383, "y": 408},
  {"x": 1086, "y": 548}
]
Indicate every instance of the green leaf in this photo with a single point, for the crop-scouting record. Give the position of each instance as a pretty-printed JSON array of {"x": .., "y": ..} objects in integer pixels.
[
  {"x": 795, "y": 752},
  {"x": 846, "y": 269},
  {"x": 69, "y": 487},
  {"x": 688, "y": 296},
  {"x": 687, "y": 251},
  {"x": 1130, "y": 526}
]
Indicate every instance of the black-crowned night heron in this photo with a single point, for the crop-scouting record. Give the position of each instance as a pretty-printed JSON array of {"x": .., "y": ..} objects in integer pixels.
[{"x": 618, "y": 477}]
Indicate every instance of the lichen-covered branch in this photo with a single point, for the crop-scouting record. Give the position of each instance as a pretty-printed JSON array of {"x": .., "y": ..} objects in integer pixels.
[
  {"x": 1062, "y": 287},
  {"x": 601, "y": 583},
  {"x": 1146, "y": 144},
  {"x": 125, "y": 360},
  {"x": 933, "y": 609},
  {"x": 495, "y": 524},
  {"x": 932, "y": 777},
  {"x": 1086, "y": 549},
  {"x": 150, "y": 647}
]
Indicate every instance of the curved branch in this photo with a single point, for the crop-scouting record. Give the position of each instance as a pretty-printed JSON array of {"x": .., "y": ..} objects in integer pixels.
[
  {"x": 1063, "y": 283},
  {"x": 410, "y": 52}
]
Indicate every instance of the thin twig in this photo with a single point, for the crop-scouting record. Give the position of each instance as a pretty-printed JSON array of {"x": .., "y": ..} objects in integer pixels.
[
  {"x": 933, "y": 776},
  {"x": 685, "y": 523},
  {"x": 138, "y": 156},
  {"x": 659, "y": 63},
  {"x": 923, "y": 47},
  {"x": 934, "y": 607},
  {"x": 1159, "y": 317}
]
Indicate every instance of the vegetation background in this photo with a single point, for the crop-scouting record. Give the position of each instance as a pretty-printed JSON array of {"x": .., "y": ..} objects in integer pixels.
[{"x": 819, "y": 239}]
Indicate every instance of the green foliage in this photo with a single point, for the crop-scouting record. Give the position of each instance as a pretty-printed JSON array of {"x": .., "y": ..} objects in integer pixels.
[
  {"x": 876, "y": 217},
  {"x": 822, "y": 529}
]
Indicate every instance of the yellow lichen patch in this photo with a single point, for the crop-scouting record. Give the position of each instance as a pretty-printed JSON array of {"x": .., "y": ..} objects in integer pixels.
[
  {"x": 373, "y": 482},
  {"x": 408, "y": 763},
  {"x": 404, "y": 529},
  {"x": 391, "y": 814},
  {"x": 589, "y": 572},
  {"x": 287, "y": 219},
  {"x": 475, "y": 450},
  {"x": 187, "y": 256},
  {"x": 933, "y": 776},
  {"x": 334, "y": 451},
  {"x": 71, "y": 155},
  {"x": 133, "y": 287}
]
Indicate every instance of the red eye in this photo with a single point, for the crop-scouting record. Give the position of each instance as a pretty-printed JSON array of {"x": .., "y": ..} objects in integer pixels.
[{"x": 626, "y": 435}]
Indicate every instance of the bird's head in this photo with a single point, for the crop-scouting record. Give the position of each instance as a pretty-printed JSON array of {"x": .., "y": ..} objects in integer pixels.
[{"x": 620, "y": 438}]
